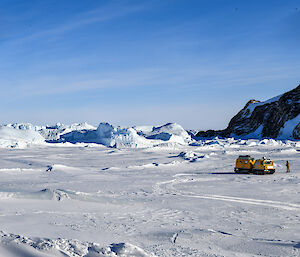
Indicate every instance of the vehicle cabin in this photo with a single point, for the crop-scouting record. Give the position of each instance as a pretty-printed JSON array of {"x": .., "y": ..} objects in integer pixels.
[{"x": 264, "y": 166}]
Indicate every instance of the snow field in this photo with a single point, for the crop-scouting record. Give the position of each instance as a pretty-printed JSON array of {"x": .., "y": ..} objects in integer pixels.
[{"x": 158, "y": 201}]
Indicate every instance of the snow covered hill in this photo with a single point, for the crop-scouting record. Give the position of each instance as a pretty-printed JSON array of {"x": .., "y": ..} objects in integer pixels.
[{"x": 277, "y": 118}]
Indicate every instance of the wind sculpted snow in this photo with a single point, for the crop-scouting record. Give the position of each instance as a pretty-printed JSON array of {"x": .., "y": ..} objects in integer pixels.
[{"x": 175, "y": 200}]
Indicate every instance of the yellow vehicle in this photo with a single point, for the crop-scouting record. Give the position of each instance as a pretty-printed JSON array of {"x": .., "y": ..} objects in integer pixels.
[{"x": 246, "y": 164}]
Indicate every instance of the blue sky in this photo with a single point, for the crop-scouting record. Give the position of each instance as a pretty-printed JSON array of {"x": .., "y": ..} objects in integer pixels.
[{"x": 144, "y": 62}]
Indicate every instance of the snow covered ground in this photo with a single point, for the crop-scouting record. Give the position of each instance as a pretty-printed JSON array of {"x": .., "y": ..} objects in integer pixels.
[{"x": 173, "y": 200}]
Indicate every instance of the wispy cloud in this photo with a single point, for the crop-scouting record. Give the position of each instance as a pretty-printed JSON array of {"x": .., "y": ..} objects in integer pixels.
[
  {"x": 111, "y": 11},
  {"x": 187, "y": 79}
]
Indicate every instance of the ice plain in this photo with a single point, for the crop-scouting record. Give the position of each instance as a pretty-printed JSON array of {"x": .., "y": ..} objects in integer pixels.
[{"x": 85, "y": 199}]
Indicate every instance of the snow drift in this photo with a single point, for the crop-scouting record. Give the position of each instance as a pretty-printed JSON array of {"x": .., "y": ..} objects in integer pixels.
[{"x": 15, "y": 246}]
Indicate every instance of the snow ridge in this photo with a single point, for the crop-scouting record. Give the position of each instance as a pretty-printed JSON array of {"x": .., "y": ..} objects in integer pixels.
[{"x": 15, "y": 245}]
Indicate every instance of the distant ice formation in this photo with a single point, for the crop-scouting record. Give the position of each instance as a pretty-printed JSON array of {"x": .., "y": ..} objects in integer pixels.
[
  {"x": 19, "y": 138},
  {"x": 144, "y": 136},
  {"x": 21, "y": 135}
]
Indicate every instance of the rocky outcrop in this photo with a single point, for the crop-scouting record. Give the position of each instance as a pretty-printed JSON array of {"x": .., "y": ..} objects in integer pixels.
[{"x": 276, "y": 118}]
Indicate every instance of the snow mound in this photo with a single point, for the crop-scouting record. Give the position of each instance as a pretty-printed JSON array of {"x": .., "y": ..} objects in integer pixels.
[
  {"x": 61, "y": 194},
  {"x": 251, "y": 142},
  {"x": 270, "y": 142},
  {"x": 191, "y": 156},
  {"x": 19, "y": 138},
  {"x": 187, "y": 155},
  {"x": 45, "y": 194},
  {"x": 57, "y": 194},
  {"x": 52, "y": 194},
  {"x": 16, "y": 245},
  {"x": 170, "y": 132},
  {"x": 121, "y": 249}
]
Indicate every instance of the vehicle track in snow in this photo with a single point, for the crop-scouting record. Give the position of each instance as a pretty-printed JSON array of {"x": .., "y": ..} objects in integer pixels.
[{"x": 169, "y": 187}]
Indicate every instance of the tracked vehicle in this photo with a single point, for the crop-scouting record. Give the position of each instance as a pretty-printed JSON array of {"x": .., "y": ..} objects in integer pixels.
[{"x": 246, "y": 164}]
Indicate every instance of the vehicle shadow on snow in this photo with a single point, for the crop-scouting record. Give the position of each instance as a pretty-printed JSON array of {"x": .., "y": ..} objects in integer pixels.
[
  {"x": 230, "y": 173},
  {"x": 219, "y": 173},
  {"x": 224, "y": 173}
]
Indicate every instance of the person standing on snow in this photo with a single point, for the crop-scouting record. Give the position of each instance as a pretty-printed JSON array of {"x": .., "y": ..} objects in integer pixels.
[{"x": 287, "y": 167}]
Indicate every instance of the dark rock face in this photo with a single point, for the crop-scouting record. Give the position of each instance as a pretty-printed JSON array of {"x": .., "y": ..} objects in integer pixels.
[{"x": 262, "y": 119}]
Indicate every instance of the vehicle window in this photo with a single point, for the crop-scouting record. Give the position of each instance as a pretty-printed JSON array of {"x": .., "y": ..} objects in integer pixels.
[
  {"x": 256, "y": 162},
  {"x": 268, "y": 162},
  {"x": 246, "y": 162},
  {"x": 261, "y": 162}
]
